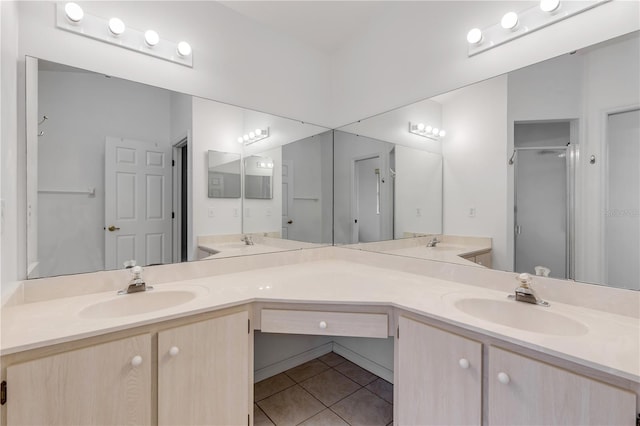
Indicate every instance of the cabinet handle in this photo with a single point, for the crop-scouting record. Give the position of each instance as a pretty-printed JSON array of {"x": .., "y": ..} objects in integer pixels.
[
  {"x": 464, "y": 363},
  {"x": 503, "y": 378},
  {"x": 174, "y": 350},
  {"x": 323, "y": 324},
  {"x": 136, "y": 361}
]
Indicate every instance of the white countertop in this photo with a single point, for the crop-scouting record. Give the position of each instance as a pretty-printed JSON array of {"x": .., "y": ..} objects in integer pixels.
[{"x": 611, "y": 345}]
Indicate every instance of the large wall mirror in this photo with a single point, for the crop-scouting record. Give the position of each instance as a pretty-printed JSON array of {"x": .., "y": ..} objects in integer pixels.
[
  {"x": 119, "y": 170},
  {"x": 545, "y": 161}
]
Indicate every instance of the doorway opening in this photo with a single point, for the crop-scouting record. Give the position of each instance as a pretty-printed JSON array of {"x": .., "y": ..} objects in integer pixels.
[{"x": 181, "y": 200}]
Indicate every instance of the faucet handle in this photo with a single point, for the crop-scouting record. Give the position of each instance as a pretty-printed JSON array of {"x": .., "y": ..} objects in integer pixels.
[
  {"x": 136, "y": 271},
  {"x": 525, "y": 279}
]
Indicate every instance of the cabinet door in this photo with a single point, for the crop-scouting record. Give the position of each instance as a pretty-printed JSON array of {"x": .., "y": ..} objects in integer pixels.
[
  {"x": 439, "y": 377},
  {"x": 529, "y": 392},
  {"x": 203, "y": 372},
  {"x": 484, "y": 259},
  {"x": 99, "y": 385}
]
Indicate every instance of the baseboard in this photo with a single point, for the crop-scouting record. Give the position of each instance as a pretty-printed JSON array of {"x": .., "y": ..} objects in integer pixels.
[
  {"x": 294, "y": 361},
  {"x": 363, "y": 362}
]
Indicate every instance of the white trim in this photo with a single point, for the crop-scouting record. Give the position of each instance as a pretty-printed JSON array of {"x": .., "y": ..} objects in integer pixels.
[
  {"x": 294, "y": 361},
  {"x": 363, "y": 362}
]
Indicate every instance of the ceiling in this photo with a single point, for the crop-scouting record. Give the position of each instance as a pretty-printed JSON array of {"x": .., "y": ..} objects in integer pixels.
[{"x": 324, "y": 25}]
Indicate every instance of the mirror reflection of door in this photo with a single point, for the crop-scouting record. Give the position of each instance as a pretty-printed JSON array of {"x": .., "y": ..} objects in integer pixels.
[
  {"x": 622, "y": 211},
  {"x": 287, "y": 198},
  {"x": 367, "y": 198},
  {"x": 137, "y": 203},
  {"x": 541, "y": 199}
]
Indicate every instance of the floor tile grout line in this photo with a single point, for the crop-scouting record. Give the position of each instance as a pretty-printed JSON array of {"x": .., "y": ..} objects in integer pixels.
[
  {"x": 265, "y": 413},
  {"x": 342, "y": 418}
]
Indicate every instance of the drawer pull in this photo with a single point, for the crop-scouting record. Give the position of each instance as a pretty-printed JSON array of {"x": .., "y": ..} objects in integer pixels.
[
  {"x": 464, "y": 363},
  {"x": 174, "y": 351},
  {"x": 323, "y": 324},
  {"x": 136, "y": 361},
  {"x": 503, "y": 378}
]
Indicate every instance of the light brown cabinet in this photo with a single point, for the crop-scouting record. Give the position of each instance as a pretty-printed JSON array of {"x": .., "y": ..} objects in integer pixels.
[
  {"x": 523, "y": 391},
  {"x": 483, "y": 258},
  {"x": 204, "y": 372},
  {"x": 438, "y": 377},
  {"x": 106, "y": 384}
]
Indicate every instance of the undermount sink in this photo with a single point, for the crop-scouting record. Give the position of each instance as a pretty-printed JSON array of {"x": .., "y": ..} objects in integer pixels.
[
  {"x": 139, "y": 303},
  {"x": 521, "y": 316}
]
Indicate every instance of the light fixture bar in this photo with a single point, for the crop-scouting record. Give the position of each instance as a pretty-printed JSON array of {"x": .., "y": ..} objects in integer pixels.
[
  {"x": 97, "y": 28},
  {"x": 528, "y": 21},
  {"x": 254, "y": 136},
  {"x": 426, "y": 131}
]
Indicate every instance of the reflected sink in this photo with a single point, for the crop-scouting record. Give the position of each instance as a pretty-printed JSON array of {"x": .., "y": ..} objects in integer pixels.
[
  {"x": 521, "y": 316},
  {"x": 139, "y": 303}
]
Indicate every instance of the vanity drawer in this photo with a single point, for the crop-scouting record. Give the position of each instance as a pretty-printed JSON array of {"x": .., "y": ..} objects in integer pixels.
[{"x": 324, "y": 323}]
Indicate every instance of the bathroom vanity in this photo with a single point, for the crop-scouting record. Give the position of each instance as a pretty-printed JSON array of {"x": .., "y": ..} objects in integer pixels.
[{"x": 183, "y": 353}]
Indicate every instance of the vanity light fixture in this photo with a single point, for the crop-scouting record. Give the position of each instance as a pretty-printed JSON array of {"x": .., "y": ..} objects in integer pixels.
[
  {"x": 254, "y": 136},
  {"x": 116, "y": 26},
  {"x": 73, "y": 12},
  {"x": 265, "y": 165},
  {"x": 517, "y": 24},
  {"x": 426, "y": 131},
  {"x": 151, "y": 38},
  {"x": 70, "y": 17}
]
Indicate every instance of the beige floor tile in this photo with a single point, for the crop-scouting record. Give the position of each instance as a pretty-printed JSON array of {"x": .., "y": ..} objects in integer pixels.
[
  {"x": 356, "y": 373},
  {"x": 330, "y": 387},
  {"x": 291, "y": 406},
  {"x": 306, "y": 370},
  {"x": 364, "y": 408},
  {"x": 382, "y": 388},
  {"x": 260, "y": 418},
  {"x": 332, "y": 359},
  {"x": 268, "y": 387},
  {"x": 325, "y": 418}
]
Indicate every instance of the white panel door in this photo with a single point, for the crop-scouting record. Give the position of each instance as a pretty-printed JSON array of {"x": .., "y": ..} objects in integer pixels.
[
  {"x": 137, "y": 203},
  {"x": 367, "y": 198}
]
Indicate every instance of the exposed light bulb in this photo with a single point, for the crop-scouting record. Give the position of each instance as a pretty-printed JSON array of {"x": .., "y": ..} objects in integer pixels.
[
  {"x": 421, "y": 127},
  {"x": 151, "y": 38},
  {"x": 428, "y": 129},
  {"x": 74, "y": 12},
  {"x": 435, "y": 131},
  {"x": 509, "y": 21},
  {"x": 258, "y": 132},
  {"x": 116, "y": 26},
  {"x": 184, "y": 49},
  {"x": 252, "y": 135},
  {"x": 240, "y": 139},
  {"x": 263, "y": 165},
  {"x": 270, "y": 165},
  {"x": 549, "y": 5},
  {"x": 245, "y": 138},
  {"x": 474, "y": 36},
  {"x": 442, "y": 133}
]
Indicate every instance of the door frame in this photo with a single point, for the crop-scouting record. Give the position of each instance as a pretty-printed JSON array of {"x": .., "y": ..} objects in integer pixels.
[
  {"x": 176, "y": 196},
  {"x": 354, "y": 194}
]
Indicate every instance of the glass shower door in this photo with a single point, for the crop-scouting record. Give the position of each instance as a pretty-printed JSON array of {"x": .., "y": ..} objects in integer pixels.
[{"x": 541, "y": 217}]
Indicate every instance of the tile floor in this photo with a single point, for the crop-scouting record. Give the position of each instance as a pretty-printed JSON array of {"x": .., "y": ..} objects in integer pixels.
[{"x": 328, "y": 390}]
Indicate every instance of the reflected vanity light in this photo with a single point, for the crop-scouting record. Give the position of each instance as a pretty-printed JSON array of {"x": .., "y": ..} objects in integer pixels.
[
  {"x": 254, "y": 136},
  {"x": 70, "y": 17},
  {"x": 427, "y": 131},
  {"x": 516, "y": 24}
]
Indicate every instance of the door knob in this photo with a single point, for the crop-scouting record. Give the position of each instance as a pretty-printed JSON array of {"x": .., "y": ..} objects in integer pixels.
[
  {"x": 289, "y": 221},
  {"x": 113, "y": 228}
]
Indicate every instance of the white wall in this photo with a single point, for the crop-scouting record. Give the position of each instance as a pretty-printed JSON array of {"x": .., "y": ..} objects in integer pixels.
[
  {"x": 265, "y": 215},
  {"x": 475, "y": 164},
  {"x": 84, "y": 109},
  {"x": 415, "y": 50},
  {"x": 216, "y": 127},
  {"x": 418, "y": 192},
  {"x": 12, "y": 250}
]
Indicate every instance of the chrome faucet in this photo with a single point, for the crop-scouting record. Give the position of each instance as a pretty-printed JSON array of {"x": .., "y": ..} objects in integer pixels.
[
  {"x": 525, "y": 293},
  {"x": 136, "y": 284},
  {"x": 248, "y": 240},
  {"x": 433, "y": 242}
]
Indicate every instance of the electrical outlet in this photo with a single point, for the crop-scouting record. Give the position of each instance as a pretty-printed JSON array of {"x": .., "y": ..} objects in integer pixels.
[
  {"x": 418, "y": 212},
  {"x": 472, "y": 212},
  {"x": 211, "y": 212}
]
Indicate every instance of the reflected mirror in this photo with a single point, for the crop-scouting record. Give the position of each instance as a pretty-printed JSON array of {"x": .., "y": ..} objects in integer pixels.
[
  {"x": 258, "y": 176},
  {"x": 224, "y": 175},
  {"x": 540, "y": 167}
]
